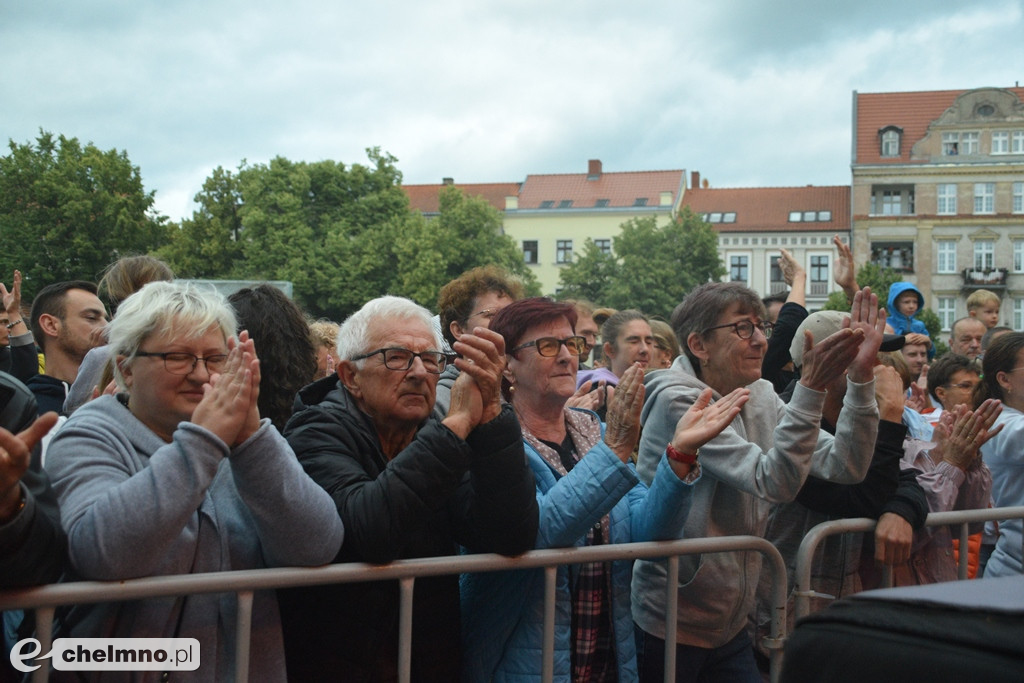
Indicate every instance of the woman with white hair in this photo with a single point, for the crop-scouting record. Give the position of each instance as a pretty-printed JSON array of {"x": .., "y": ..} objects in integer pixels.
[
  {"x": 406, "y": 485},
  {"x": 177, "y": 474}
]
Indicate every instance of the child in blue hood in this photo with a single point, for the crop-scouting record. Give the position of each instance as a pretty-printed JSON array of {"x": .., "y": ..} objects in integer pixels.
[{"x": 905, "y": 301}]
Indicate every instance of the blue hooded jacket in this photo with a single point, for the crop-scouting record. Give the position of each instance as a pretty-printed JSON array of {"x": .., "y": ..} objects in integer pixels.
[{"x": 901, "y": 323}]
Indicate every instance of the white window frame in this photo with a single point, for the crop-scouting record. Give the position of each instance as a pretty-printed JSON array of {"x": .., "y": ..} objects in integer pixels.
[
  {"x": 1018, "y": 256},
  {"x": 945, "y": 251},
  {"x": 1018, "y": 314},
  {"x": 945, "y": 307},
  {"x": 969, "y": 142},
  {"x": 890, "y": 144},
  {"x": 984, "y": 198},
  {"x": 563, "y": 251},
  {"x": 818, "y": 287},
  {"x": 984, "y": 254},
  {"x": 1000, "y": 142},
  {"x": 1018, "y": 197},
  {"x": 1017, "y": 142},
  {"x": 946, "y": 199}
]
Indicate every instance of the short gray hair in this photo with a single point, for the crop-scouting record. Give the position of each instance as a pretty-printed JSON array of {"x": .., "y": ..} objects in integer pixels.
[
  {"x": 353, "y": 337},
  {"x": 164, "y": 308},
  {"x": 702, "y": 307}
]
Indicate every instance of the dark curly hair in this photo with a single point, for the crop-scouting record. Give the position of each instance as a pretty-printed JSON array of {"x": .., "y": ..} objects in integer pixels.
[{"x": 283, "y": 344}]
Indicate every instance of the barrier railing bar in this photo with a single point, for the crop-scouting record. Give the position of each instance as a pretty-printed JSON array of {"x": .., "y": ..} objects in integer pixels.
[
  {"x": 45, "y": 598},
  {"x": 547, "y": 670},
  {"x": 671, "y": 615},
  {"x": 811, "y": 540},
  {"x": 406, "y": 586},
  {"x": 242, "y": 632}
]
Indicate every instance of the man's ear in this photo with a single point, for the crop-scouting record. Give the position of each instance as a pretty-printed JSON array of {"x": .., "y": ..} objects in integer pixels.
[
  {"x": 348, "y": 375},
  {"x": 126, "y": 371},
  {"x": 50, "y": 325}
]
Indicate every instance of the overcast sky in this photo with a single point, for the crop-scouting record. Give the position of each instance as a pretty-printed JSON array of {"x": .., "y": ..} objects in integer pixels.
[{"x": 748, "y": 92}]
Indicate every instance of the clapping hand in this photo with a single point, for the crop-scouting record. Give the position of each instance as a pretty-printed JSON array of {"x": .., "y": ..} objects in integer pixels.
[
  {"x": 623, "y": 416},
  {"x": 705, "y": 420},
  {"x": 229, "y": 406}
]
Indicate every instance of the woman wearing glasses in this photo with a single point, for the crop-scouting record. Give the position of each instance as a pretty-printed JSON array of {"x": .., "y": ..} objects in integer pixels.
[
  {"x": 588, "y": 494},
  {"x": 406, "y": 485},
  {"x": 762, "y": 458},
  {"x": 177, "y": 474}
]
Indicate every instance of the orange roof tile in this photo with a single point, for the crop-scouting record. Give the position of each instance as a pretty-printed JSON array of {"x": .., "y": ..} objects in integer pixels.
[
  {"x": 911, "y": 111},
  {"x": 424, "y": 198},
  {"x": 620, "y": 189},
  {"x": 767, "y": 209}
]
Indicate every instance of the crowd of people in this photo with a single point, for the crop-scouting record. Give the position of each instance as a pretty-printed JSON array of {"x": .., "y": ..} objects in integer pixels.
[{"x": 196, "y": 433}]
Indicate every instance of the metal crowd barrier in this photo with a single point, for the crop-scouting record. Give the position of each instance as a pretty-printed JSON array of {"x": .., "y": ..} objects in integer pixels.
[
  {"x": 805, "y": 555},
  {"x": 45, "y": 599}
]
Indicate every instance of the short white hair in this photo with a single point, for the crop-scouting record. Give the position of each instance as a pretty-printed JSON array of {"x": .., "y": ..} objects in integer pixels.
[
  {"x": 165, "y": 308},
  {"x": 354, "y": 335}
]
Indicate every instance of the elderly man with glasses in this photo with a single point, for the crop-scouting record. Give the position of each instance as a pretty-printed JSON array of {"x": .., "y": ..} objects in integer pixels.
[{"x": 406, "y": 484}]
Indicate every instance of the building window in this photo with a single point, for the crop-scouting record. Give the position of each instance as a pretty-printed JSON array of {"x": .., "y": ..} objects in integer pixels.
[
  {"x": 984, "y": 255},
  {"x": 739, "y": 269},
  {"x": 1018, "y": 314},
  {"x": 1018, "y": 256},
  {"x": 1018, "y": 197},
  {"x": 959, "y": 143},
  {"x": 530, "y": 251},
  {"x": 890, "y": 143},
  {"x": 640, "y": 201},
  {"x": 892, "y": 200},
  {"x": 601, "y": 203},
  {"x": 1001, "y": 142},
  {"x": 715, "y": 217},
  {"x": 729, "y": 217},
  {"x": 565, "y": 204},
  {"x": 563, "y": 251},
  {"x": 824, "y": 215},
  {"x": 984, "y": 197},
  {"x": 547, "y": 204},
  {"x": 946, "y": 309},
  {"x": 946, "y": 250},
  {"x": 795, "y": 216},
  {"x": 776, "y": 282},
  {"x": 947, "y": 199},
  {"x": 896, "y": 255},
  {"x": 819, "y": 275},
  {"x": 1017, "y": 142},
  {"x": 605, "y": 246}
]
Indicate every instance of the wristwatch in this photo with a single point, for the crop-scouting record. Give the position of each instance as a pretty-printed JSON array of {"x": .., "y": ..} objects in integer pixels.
[{"x": 685, "y": 458}]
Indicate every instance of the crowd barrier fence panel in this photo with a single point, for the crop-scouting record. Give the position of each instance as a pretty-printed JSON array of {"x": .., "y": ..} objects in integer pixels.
[{"x": 45, "y": 599}]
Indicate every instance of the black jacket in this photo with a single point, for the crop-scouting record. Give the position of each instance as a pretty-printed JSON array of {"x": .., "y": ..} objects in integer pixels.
[{"x": 438, "y": 494}]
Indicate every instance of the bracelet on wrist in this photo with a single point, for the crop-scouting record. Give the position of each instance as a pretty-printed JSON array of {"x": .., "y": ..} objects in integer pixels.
[
  {"x": 16, "y": 322},
  {"x": 685, "y": 458}
]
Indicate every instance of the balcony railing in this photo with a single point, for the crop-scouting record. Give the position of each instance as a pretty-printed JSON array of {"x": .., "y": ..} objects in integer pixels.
[{"x": 985, "y": 278}]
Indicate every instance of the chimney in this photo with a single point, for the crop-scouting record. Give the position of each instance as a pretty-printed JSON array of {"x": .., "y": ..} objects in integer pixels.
[
  {"x": 694, "y": 180},
  {"x": 594, "y": 169},
  {"x": 447, "y": 181}
]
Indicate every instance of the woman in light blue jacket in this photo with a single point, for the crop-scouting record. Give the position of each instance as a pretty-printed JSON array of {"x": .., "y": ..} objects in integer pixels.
[{"x": 588, "y": 494}]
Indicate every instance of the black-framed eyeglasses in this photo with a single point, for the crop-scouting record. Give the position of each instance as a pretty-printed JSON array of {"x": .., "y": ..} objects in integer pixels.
[
  {"x": 399, "y": 359},
  {"x": 181, "y": 363},
  {"x": 549, "y": 346},
  {"x": 744, "y": 329}
]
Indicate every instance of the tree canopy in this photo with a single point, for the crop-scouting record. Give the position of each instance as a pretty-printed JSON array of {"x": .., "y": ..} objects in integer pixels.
[
  {"x": 68, "y": 210},
  {"x": 341, "y": 234},
  {"x": 651, "y": 268}
]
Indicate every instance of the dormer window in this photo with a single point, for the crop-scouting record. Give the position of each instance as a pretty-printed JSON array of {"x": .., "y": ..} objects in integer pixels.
[{"x": 890, "y": 141}]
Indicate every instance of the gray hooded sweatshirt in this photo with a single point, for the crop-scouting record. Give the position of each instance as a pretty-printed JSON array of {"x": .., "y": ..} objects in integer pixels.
[{"x": 762, "y": 458}]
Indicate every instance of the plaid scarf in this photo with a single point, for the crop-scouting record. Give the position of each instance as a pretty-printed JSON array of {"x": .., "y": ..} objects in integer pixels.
[{"x": 593, "y": 645}]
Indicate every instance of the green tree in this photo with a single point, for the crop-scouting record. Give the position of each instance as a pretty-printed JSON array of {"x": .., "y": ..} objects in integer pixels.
[
  {"x": 67, "y": 211},
  {"x": 870, "y": 275},
  {"x": 654, "y": 266}
]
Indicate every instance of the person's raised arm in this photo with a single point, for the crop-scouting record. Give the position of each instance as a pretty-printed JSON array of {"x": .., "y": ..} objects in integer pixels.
[
  {"x": 845, "y": 276},
  {"x": 795, "y": 276}
]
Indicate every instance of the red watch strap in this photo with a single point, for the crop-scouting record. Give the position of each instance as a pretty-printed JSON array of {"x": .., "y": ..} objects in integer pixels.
[{"x": 685, "y": 458}]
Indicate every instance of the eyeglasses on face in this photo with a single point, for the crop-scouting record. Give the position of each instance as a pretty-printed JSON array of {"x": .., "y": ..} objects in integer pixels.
[
  {"x": 961, "y": 385},
  {"x": 181, "y": 363},
  {"x": 549, "y": 346},
  {"x": 399, "y": 359},
  {"x": 744, "y": 329},
  {"x": 485, "y": 313}
]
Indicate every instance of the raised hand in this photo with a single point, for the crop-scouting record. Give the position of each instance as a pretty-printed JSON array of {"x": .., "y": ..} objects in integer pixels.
[
  {"x": 889, "y": 393},
  {"x": 790, "y": 267},
  {"x": 15, "y": 453},
  {"x": 961, "y": 432},
  {"x": 704, "y": 420},
  {"x": 588, "y": 396},
  {"x": 623, "y": 417},
  {"x": 866, "y": 317},
  {"x": 845, "y": 276},
  {"x": 826, "y": 361},
  {"x": 228, "y": 399},
  {"x": 482, "y": 358}
]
